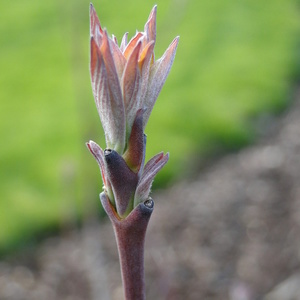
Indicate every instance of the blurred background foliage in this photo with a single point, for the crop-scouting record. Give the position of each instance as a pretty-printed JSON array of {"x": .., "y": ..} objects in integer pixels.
[{"x": 237, "y": 62}]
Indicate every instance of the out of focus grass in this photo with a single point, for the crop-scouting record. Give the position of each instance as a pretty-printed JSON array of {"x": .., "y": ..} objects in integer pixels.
[{"x": 236, "y": 60}]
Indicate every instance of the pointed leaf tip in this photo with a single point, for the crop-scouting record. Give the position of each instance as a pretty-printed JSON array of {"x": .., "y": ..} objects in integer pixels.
[
  {"x": 95, "y": 27},
  {"x": 150, "y": 26},
  {"x": 97, "y": 152},
  {"x": 158, "y": 74}
]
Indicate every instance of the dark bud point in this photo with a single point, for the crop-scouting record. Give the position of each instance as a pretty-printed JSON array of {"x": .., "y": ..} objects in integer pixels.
[
  {"x": 149, "y": 203},
  {"x": 107, "y": 152}
]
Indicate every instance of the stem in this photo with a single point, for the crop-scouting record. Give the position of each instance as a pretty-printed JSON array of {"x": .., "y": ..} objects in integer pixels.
[
  {"x": 130, "y": 235},
  {"x": 131, "y": 255}
]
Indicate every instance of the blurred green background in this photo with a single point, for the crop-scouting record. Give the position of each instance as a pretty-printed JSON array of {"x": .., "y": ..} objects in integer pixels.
[{"x": 236, "y": 61}]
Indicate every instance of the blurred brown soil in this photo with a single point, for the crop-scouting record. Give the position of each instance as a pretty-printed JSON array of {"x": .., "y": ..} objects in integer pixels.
[{"x": 231, "y": 233}]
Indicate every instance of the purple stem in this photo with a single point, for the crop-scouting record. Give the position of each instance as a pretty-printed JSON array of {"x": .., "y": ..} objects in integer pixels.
[{"x": 130, "y": 235}]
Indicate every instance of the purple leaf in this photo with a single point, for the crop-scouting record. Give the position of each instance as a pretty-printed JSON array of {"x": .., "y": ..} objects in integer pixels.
[
  {"x": 158, "y": 75},
  {"x": 95, "y": 27},
  {"x": 145, "y": 60},
  {"x": 135, "y": 153},
  {"x": 131, "y": 86},
  {"x": 152, "y": 167},
  {"x": 132, "y": 43},
  {"x": 123, "y": 181},
  {"x": 150, "y": 26},
  {"x": 124, "y": 42},
  {"x": 97, "y": 152}
]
